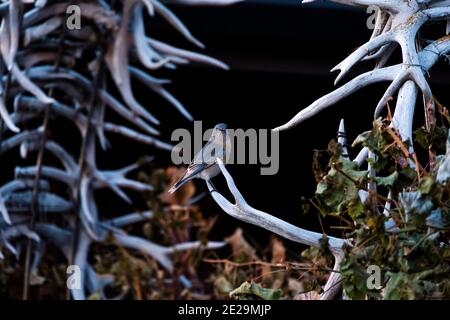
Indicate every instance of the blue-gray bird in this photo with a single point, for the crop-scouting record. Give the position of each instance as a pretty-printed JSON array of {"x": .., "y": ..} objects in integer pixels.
[{"x": 204, "y": 165}]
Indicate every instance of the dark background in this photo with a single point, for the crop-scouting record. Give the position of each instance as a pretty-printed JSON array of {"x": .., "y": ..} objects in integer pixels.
[
  {"x": 280, "y": 56},
  {"x": 280, "y": 53}
]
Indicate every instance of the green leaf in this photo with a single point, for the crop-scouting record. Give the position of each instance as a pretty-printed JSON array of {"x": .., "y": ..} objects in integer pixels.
[
  {"x": 339, "y": 188},
  {"x": 252, "y": 288},
  {"x": 354, "y": 277},
  {"x": 387, "y": 181},
  {"x": 426, "y": 185},
  {"x": 363, "y": 138},
  {"x": 355, "y": 209},
  {"x": 435, "y": 138},
  {"x": 401, "y": 286}
]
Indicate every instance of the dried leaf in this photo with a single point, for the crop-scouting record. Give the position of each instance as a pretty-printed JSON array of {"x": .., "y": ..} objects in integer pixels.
[
  {"x": 310, "y": 295},
  {"x": 242, "y": 250},
  {"x": 183, "y": 194},
  {"x": 278, "y": 251}
]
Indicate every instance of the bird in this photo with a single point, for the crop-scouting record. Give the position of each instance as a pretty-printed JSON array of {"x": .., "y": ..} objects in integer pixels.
[{"x": 204, "y": 165}]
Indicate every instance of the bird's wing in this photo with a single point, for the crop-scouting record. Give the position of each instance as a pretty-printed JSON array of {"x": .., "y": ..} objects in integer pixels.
[
  {"x": 200, "y": 156},
  {"x": 198, "y": 164},
  {"x": 194, "y": 168},
  {"x": 190, "y": 173}
]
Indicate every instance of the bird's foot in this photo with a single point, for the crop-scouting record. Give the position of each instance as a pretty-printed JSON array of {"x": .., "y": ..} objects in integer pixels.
[{"x": 211, "y": 187}]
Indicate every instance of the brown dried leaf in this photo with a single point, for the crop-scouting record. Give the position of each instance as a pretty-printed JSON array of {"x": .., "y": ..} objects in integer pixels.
[
  {"x": 311, "y": 295},
  {"x": 295, "y": 285},
  {"x": 183, "y": 194},
  {"x": 242, "y": 250},
  {"x": 278, "y": 251}
]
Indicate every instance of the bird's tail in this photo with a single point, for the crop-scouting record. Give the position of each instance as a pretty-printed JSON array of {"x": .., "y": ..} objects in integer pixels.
[{"x": 178, "y": 184}]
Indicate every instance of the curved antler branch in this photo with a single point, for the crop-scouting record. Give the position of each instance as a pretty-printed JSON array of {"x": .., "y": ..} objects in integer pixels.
[
  {"x": 242, "y": 211},
  {"x": 428, "y": 58}
]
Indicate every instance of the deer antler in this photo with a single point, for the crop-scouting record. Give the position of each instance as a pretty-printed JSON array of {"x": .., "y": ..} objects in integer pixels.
[
  {"x": 243, "y": 211},
  {"x": 43, "y": 78},
  {"x": 407, "y": 18}
]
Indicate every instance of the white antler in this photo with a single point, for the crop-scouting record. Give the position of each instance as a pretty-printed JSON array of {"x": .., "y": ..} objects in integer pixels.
[
  {"x": 402, "y": 28},
  {"x": 242, "y": 211}
]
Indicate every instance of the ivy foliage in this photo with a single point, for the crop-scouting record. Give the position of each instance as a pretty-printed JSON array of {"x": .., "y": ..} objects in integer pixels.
[{"x": 408, "y": 239}]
